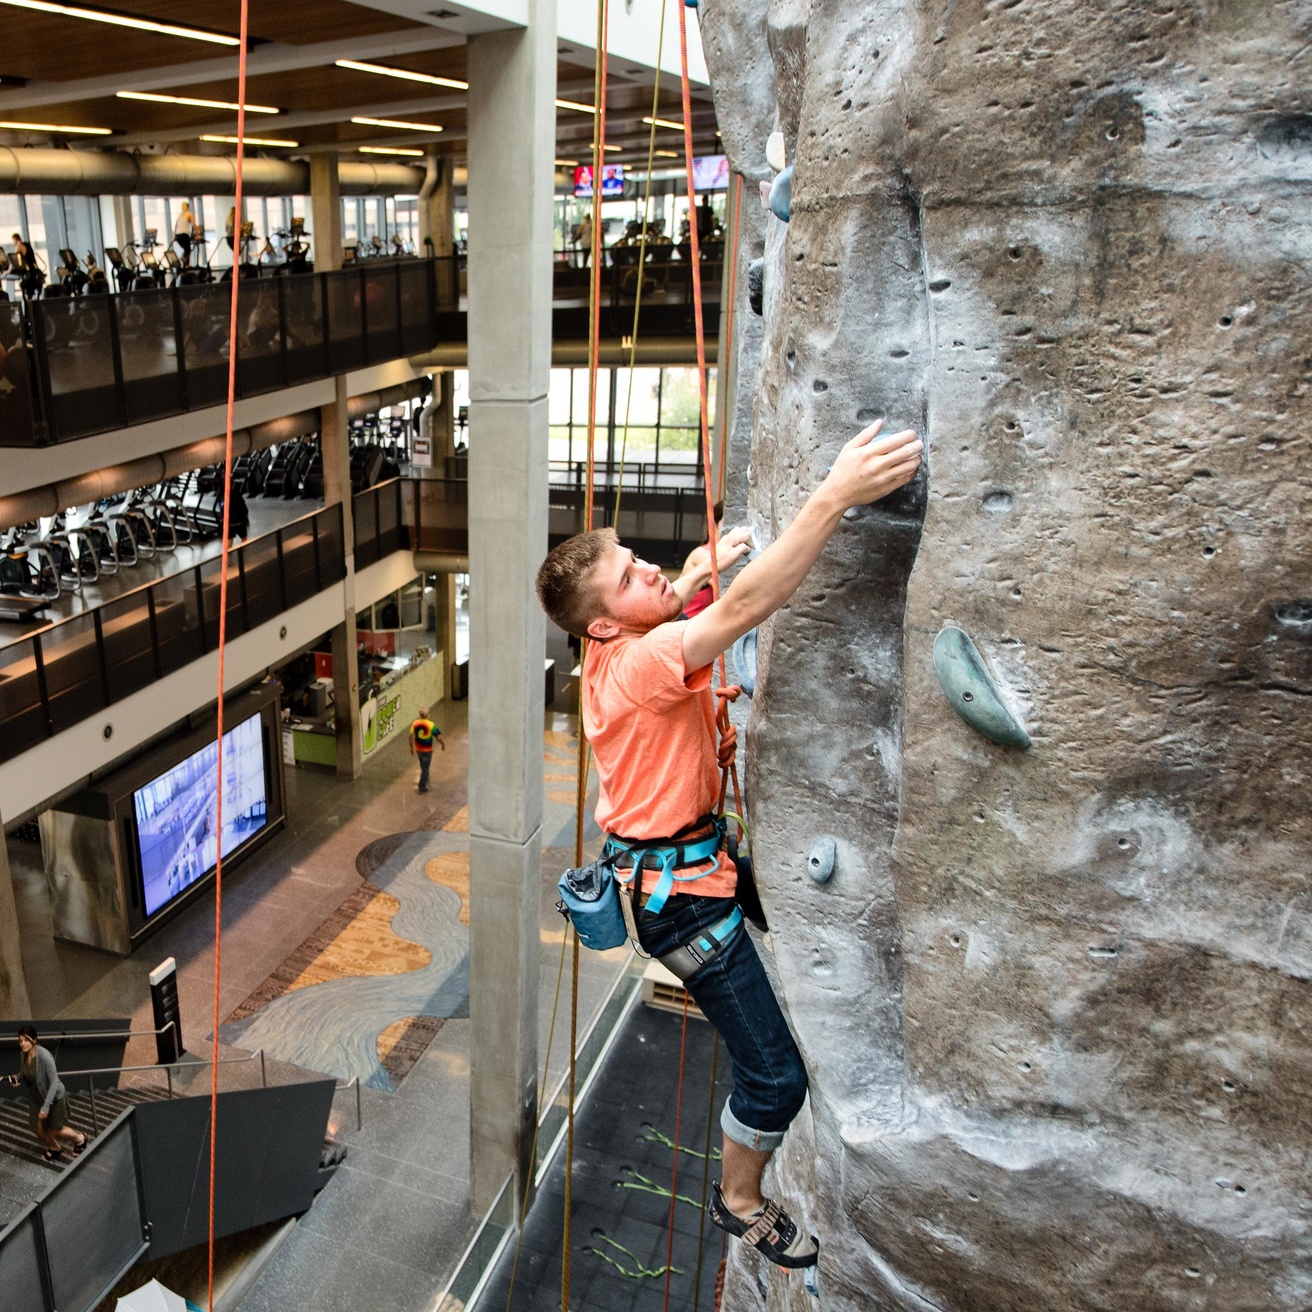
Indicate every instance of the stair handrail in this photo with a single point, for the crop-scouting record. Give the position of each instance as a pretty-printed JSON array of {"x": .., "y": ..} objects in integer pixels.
[{"x": 94, "y": 1034}]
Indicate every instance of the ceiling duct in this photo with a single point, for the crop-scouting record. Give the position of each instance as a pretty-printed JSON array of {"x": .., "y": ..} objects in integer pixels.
[{"x": 117, "y": 173}]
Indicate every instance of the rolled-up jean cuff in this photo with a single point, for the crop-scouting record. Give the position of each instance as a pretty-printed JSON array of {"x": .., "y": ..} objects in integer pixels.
[{"x": 763, "y": 1141}]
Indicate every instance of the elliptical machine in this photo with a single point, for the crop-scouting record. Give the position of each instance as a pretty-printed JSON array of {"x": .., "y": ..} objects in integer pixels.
[{"x": 27, "y": 569}]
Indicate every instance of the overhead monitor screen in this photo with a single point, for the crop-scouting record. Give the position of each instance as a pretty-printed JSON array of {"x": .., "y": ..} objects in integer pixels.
[
  {"x": 612, "y": 181},
  {"x": 710, "y": 172},
  {"x": 175, "y": 813}
]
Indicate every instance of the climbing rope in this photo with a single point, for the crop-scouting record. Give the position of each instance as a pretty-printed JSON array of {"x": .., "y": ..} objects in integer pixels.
[
  {"x": 223, "y": 636},
  {"x": 723, "y": 365},
  {"x": 642, "y": 261}
]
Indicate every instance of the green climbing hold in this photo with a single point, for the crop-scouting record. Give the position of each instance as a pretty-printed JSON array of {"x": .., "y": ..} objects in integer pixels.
[{"x": 969, "y": 687}]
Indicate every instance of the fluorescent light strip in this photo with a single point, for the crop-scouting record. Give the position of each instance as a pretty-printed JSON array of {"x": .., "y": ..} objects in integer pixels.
[
  {"x": 158, "y": 98},
  {"x": 390, "y": 150},
  {"x": 125, "y": 20},
  {"x": 396, "y": 123},
  {"x": 404, "y": 74},
  {"x": 62, "y": 128},
  {"x": 574, "y": 104},
  {"x": 668, "y": 154},
  {"x": 664, "y": 123},
  {"x": 567, "y": 163},
  {"x": 249, "y": 141}
]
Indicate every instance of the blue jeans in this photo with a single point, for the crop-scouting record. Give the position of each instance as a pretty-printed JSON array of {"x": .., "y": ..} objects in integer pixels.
[
  {"x": 425, "y": 760},
  {"x": 769, "y": 1079}
]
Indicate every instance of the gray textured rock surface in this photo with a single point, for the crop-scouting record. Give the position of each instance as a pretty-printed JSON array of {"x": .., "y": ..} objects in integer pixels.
[{"x": 1054, "y": 1003}]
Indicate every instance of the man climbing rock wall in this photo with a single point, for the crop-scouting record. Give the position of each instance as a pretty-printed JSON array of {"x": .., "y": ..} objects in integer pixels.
[{"x": 1054, "y": 1001}]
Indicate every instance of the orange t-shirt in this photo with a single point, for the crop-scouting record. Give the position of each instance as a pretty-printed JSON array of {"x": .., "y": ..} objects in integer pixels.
[{"x": 654, "y": 739}]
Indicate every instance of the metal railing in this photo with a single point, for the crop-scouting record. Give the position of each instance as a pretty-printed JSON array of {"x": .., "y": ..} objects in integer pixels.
[
  {"x": 60, "y": 675},
  {"x": 78, "y": 365},
  {"x": 432, "y": 514}
]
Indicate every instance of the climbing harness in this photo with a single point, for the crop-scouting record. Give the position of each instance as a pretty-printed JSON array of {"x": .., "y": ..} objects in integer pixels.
[{"x": 222, "y": 642}]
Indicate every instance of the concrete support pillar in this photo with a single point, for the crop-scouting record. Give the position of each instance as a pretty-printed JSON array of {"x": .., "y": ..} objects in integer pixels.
[
  {"x": 512, "y": 78},
  {"x": 335, "y": 444},
  {"x": 437, "y": 224},
  {"x": 14, "y": 1003},
  {"x": 325, "y": 212}
]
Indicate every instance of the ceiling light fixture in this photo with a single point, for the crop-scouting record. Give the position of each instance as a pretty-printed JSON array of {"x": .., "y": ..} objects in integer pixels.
[
  {"x": 396, "y": 123},
  {"x": 404, "y": 74},
  {"x": 574, "y": 104},
  {"x": 65, "y": 129},
  {"x": 664, "y": 123},
  {"x": 567, "y": 163},
  {"x": 668, "y": 154},
  {"x": 249, "y": 141},
  {"x": 158, "y": 98},
  {"x": 125, "y": 20},
  {"x": 390, "y": 150}
]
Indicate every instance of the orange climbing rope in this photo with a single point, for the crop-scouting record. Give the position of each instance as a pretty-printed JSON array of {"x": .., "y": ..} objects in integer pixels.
[{"x": 223, "y": 630}]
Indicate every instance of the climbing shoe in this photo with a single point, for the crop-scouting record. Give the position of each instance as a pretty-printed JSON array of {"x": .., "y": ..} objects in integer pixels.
[{"x": 770, "y": 1230}]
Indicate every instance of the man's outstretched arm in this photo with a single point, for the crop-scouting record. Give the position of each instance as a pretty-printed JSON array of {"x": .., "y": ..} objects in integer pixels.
[{"x": 868, "y": 467}]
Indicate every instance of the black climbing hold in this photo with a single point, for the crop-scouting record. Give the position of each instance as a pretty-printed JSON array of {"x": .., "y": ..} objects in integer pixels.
[
  {"x": 756, "y": 286},
  {"x": 940, "y": 284},
  {"x": 820, "y": 864},
  {"x": 970, "y": 689},
  {"x": 1295, "y": 617},
  {"x": 744, "y": 662},
  {"x": 781, "y": 195},
  {"x": 997, "y": 503}
]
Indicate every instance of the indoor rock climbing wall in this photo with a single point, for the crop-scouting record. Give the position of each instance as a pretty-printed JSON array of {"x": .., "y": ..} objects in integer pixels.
[{"x": 1054, "y": 1000}]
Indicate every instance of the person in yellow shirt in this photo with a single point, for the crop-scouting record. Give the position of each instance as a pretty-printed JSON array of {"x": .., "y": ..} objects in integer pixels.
[{"x": 423, "y": 734}]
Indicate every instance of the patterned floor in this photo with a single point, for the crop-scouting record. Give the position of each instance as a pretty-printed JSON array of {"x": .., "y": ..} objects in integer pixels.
[{"x": 369, "y": 990}]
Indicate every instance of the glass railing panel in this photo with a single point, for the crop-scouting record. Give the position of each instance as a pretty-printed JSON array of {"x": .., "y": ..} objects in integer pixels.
[
  {"x": 263, "y": 579},
  {"x": 307, "y": 343},
  {"x": 74, "y": 685},
  {"x": 443, "y": 510},
  {"x": 344, "y": 291},
  {"x": 382, "y": 320},
  {"x": 205, "y": 311},
  {"x": 210, "y": 574},
  {"x": 129, "y": 649},
  {"x": 22, "y": 716},
  {"x": 177, "y": 621},
  {"x": 17, "y": 375},
  {"x": 364, "y": 517},
  {"x": 148, "y": 348},
  {"x": 389, "y": 517},
  {"x": 259, "y": 336},
  {"x": 332, "y": 560},
  {"x": 416, "y": 286},
  {"x": 298, "y": 561},
  {"x": 84, "y": 395},
  {"x": 20, "y": 1265}
]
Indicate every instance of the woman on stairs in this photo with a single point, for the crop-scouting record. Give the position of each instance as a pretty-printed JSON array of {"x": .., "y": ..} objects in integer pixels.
[{"x": 48, "y": 1113}]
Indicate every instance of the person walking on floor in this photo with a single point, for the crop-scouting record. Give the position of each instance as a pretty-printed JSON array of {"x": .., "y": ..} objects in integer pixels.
[
  {"x": 48, "y": 1110},
  {"x": 423, "y": 734}
]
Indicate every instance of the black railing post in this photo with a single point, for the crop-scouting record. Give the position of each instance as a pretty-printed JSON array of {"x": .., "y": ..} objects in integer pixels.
[
  {"x": 282, "y": 571},
  {"x": 116, "y": 348},
  {"x": 200, "y": 611},
  {"x": 98, "y": 621},
  {"x": 241, "y": 576},
  {"x": 154, "y": 632},
  {"x": 363, "y": 281},
  {"x": 40, "y": 371},
  {"x": 179, "y": 341},
  {"x": 318, "y": 567},
  {"x": 282, "y": 329},
  {"x": 42, "y": 690}
]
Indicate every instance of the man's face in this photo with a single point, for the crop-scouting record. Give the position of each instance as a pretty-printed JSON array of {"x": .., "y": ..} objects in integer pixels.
[{"x": 634, "y": 594}]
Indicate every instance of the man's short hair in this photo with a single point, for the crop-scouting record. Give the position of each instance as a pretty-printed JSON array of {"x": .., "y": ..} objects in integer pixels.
[{"x": 566, "y": 588}]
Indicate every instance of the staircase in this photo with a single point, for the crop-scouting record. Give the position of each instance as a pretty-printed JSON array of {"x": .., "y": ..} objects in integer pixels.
[{"x": 17, "y": 1139}]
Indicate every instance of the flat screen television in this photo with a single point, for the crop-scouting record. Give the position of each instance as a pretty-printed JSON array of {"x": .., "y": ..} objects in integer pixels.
[
  {"x": 612, "y": 181},
  {"x": 710, "y": 172},
  {"x": 175, "y": 813}
]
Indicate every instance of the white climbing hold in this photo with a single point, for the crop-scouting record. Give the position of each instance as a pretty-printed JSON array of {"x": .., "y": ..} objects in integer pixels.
[
  {"x": 774, "y": 152},
  {"x": 765, "y": 194}
]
